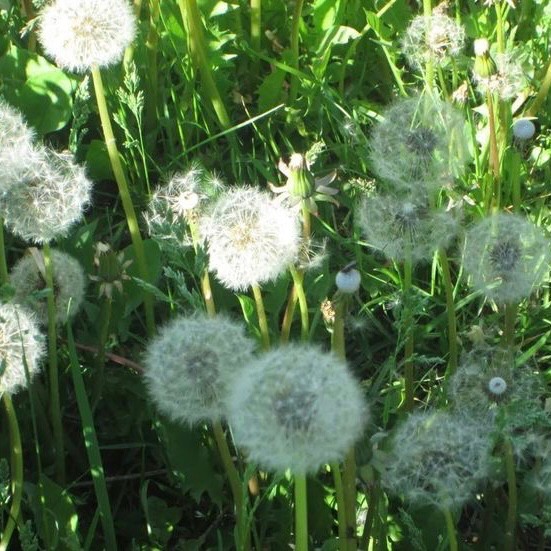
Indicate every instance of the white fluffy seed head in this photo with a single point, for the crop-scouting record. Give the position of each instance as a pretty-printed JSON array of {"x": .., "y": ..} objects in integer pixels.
[
  {"x": 17, "y": 149},
  {"x": 435, "y": 39},
  {"x": 87, "y": 33},
  {"x": 524, "y": 129},
  {"x": 48, "y": 200},
  {"x": 497, "y": 386},
  {"x": 420, "y": 144},
  {"x": 348, "y": 280},
  {"x": 405, "y": 228},
  {"x": 481, "y": 47},
  {"x": 188, "y": 366},
  {"x": 251, "y": 238},
  {"x": 20, "y": 341},
  {"x": 296, "y": 408},
  {"x": 506, "y": 256},
  {"x": 438, "y": 458},
  {"x": 507, "y": 81},
  {"x": 27, "y": 277}
]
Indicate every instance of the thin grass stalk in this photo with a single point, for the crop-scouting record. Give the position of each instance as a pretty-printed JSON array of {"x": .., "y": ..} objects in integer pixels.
[
  {"x": 55, "y": 404},
  {"x": 124, "y": 193},
  {"x": 341, "y": 514},
  {"x": 295, "y": 29},
  {"x": 409, "y": 344},
  {"x": 92, "y": 447},
  {"x": 236, "y": 487},
  {"x": 262, "y": 320},
  {"x": 192, "y": 18},
  {"x": 450, "y": 526},
  {"x": 16, "y": 466},
  {"x": 450, "y": 312},
  {"x": 105, "y": 320},
  {"x": 151, "y": 45},
  {"x": 301, "y": 514},
  {"x": 510, "y": 527}
]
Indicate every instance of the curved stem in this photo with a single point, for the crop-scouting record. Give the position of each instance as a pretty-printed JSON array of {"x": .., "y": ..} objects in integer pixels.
[
  {"x": 288, "y": 316},
  {"x": 262, "y": 320},
  {"x": 542, "y": 93},
  {"x": 55, "y": 405},
  {"x": 341, "y": 506},
  {"x": 295, "y": 28},
  {"x": 450, "y": 311},
  {"x": 298, "y": 280},
  {"x": 301, "y": 514},
  {"x": 16, "y": 465},
  {"x": 450, "y": 525},
  {"x": 235, "y": 485},
  {"x": 510, "y": 526},
  {"x": 124, "y": 193}
]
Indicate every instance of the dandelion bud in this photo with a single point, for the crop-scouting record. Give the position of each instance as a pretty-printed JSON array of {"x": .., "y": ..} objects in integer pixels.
[
  {"x": 435, "y": 39},
  {"x": 81, "y": 35},
  {"x": 348, "y": 280},
  {"x": 506, "y": 256},
  {"x": 188, "y": 366},
  {"x": 419, "y": 145},
  {"x": 438, "y": 459},
  {"x": 20, "y": 342},
  {"x": 48, "y": 200},
  {"x": 296, "y": 408},
  {"x": 523, "y": 129},
  {"x": 28, "y": 276},
  {"x": 405, "y": 229},
  {"x": 481, "y": 47},
  {"x": 502, "y": 75},
  {"x": 251, "y": 238}
]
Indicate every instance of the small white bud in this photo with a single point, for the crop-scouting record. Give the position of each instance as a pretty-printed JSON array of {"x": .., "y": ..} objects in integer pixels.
[
  {"x": 348, "y": 280},
  {"x": 523, "y": 129},
  {"x": 497, "y": 386},
  {"x": 481, "y": 46}
]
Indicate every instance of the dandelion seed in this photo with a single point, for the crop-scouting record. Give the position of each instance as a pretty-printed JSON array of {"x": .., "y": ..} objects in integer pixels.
[
  {"x": 405, "y": 228},
  {"x": 81, "y": 35},
  {"x": 189, "y": 365},
  {"x": 438, "y": 459},
  {"x": 49, "y": 199},
  {"x": 435, "y": 39},
  {"x": 296, "y": 408},
  {"x": 507, "y": 256},
  {"x": 20, "y": 341},
  {"x": 251, "y": 239},
  {"x": 28, "y": 276},
  {"x": 419, "y": 144}
]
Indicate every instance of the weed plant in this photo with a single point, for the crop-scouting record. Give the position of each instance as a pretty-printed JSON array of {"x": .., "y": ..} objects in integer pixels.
[{"x": 275, "y": 275}]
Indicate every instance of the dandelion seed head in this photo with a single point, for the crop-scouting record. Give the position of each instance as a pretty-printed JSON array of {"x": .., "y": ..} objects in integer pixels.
[
  {"x": 434, "y": 39},
  {"x": 20, "y": 340},
  {"x": 437, "y": 458},
  {"x": 506, "y": 256},
  {"x": 497, "y": 386},
  {"x": 348, "y": 280},
  {"x": 189, "y": 365},
  {"x": 251, "y": 238},
  {"x": 296, "y": 408},
  {"x": 28, "y": 277},
  {"x": 48, "y": 200},
  {"x": 419, "y": 144},
  {"x": 524, "y": 129},
  {"x": 81, "y": 35}
]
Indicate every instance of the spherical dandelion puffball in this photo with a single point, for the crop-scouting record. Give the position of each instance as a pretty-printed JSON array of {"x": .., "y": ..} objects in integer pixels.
[
  {"x": 434, "y": 39},
  {"x": 438, "y": 459},
  {"x": 17, "y": 149},
  {"x": 348, "y": 280},
  {"x": 28, "y": 276},
  {"x": 296, "y": 408},
  {"x": 20, "y": 341},
  {"x": 49, "y": 200},
  {"x": 405, "y": 228},
  {"x": 188, "y": 366},
  {"x": 79, "y": 35},
  {"x": 251, "y": 238},
  {"x": 506, "y": 256},
  {"x": 524, "y": 129},
  {"x": 420, "y": 142}
]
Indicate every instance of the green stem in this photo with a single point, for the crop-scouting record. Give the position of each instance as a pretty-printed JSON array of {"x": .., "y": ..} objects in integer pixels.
[
  {"x": 349, "y": 485},
  {"x": 4, "y": 276},
  {"x": 341, "y": 506},
  {"x": 16, "y": 465},
  {"x": 192, "y": 19},
  {"x": 256, "y": 17},
  {"x": 288, "y": 316},
  {"x": 409, "y": 345},
  {"x": 124, "y": 193},
  {"x": 450, "y": 311},
  {"x": 450, "y": 525},
  {"x": 235, "y": 485},
  {"x": 494, "y": 154},
  {"x": 429, "y": 75},
  {"x": 510, "y": 526},
  {"x": 500, "y": 31},
  {"x": 105, "y": 319},
  {"x": 55, "y": 405},
  {"x": 509, "y": 328},
  {"x": 295, "y": 28},
  {"x": 151, "y": 44},
  {"x": 370, "y": 517},
  {"x": 262, "y": 320},
  {"x": 301, "y": 514},
  {"x": 298, "y": 280},
  {"x": 542, "y": 93}
]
